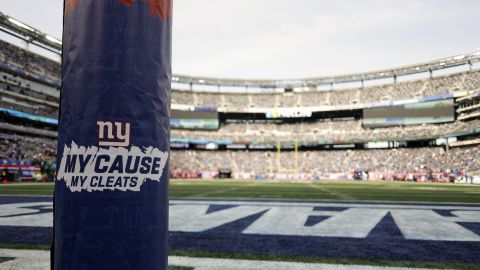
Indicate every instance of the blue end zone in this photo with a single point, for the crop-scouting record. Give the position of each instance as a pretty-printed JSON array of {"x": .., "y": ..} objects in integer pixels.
[
  {"x": 382, "y": 243},
  {"x": 385, "y": 240},
  {"x": 25, "y": 235}
]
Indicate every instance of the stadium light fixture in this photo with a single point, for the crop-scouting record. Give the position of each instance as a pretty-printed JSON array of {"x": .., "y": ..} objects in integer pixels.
[
  {"x": 22, "y": 25},
  {"x": 54, "y": 40}
]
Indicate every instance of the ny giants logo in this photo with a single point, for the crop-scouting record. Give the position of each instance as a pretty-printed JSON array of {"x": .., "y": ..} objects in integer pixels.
[
  {"x": 113, "y": 133},
  {"x": 160, "y": 8},
  {"x": 114, "y": 164}
]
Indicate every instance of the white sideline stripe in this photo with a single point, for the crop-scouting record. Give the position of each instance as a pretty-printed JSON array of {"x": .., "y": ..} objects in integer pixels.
[
  {"x": 25, "y": 259},
  {"x": 222, "y": 264},
  {"x": 327, "y": 204},
  {"x": 40, "y": 260}
]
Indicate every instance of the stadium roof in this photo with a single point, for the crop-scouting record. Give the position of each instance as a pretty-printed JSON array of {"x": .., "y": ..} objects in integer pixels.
[
  {"x": 447, "y": 62},
  {"x": 30, "y": 34}
]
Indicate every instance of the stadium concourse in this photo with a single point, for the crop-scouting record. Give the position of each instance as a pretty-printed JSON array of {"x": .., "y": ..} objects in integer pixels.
[{"x": 417, "y": 123}]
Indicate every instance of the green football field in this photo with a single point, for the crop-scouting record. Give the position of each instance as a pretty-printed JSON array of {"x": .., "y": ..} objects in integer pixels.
[{"x": 262, "y": 189}]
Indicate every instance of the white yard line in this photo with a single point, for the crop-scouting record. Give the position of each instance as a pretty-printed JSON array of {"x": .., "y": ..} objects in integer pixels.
[
  {"x": 328, "y": 204},
  {"x": 25, "y": 259},
  {"x": 40, "y": 260},
  {"x": 222, "y": 264}
]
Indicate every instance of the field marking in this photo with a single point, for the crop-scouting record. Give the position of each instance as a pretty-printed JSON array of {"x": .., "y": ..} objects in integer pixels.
[
  {"x": 40, "y": 260},
  {"x": 430, "y": 188},
  {"x": 335, "y": 194},
  {"x": 220, "y": 191},
  {"x": 39, "y": 214},
  {"x": 347, "y": 220},
  {"x": 25, "y": 259},
  {"x": 370, "y": 204},
  {"x": 221, "y": 264}
]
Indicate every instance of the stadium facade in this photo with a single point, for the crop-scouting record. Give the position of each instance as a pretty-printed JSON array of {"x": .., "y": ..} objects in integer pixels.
[{"x": 418, "y": 122}]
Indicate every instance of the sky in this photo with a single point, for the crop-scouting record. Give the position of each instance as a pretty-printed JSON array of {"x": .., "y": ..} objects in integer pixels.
[{"x": 282, "y": 39}]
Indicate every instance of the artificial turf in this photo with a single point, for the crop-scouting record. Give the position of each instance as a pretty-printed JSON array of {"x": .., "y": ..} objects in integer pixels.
[
  {"x": 244, "y": 256},
  {"x": 329, "y": 260},
  {"x": 321, "y": 190}
]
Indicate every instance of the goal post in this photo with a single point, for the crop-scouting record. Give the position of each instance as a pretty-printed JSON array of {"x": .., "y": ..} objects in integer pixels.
[{"x": 280, "y": 167}]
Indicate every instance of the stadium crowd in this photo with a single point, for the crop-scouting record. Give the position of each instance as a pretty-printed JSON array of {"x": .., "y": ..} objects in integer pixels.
[
  {"x": 464, "y": 81},
  {"x": 397, "y": 160},
  {"x": 339, "y": 131},
  {"x": 41, "y": 98},
  {"x": 18, "y": 94},
  {"x": 26, "y": 148},
  {"x": 29, "y": 61}
]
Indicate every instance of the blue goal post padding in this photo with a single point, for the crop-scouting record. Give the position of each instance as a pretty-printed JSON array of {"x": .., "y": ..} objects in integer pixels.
[{"x": 111, "y": 193}]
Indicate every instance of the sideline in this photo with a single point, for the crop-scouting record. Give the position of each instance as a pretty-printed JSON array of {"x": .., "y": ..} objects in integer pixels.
[{"x": 39, "y": 260}]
